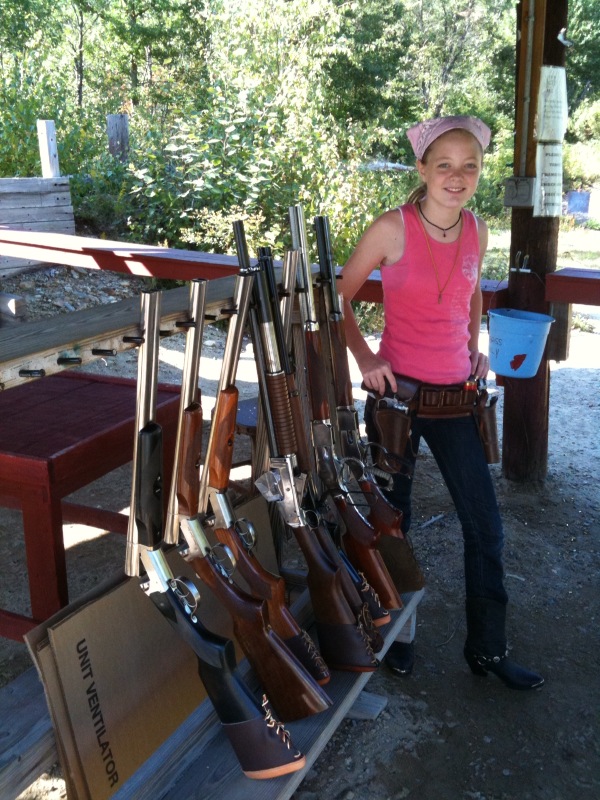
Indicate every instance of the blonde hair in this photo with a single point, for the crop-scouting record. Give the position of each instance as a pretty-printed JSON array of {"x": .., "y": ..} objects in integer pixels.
[{"x": 417, "y": 194}]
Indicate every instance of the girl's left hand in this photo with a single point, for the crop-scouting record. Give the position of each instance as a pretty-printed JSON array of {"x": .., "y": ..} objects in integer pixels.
[{"x": 480, "y": 364}]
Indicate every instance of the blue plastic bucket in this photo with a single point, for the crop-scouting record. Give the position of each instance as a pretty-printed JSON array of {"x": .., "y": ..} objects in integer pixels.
[{"x": 517, "y": 341}]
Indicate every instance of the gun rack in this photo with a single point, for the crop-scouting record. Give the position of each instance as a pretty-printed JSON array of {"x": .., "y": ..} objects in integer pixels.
[{"x": 197, "y": 760}]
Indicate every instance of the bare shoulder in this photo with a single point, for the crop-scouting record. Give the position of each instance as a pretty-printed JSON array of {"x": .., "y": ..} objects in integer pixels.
[{"x": 382, "y": 240}]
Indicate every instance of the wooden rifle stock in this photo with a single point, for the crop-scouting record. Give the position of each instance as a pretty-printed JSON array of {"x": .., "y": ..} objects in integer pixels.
[
  {"x": 317, "y": 376},
  {"x": 371, "y": 563},
  {"x": 263, "y": 749},
  {"x": 262, "y": 583},
  {"x": 189, "y": 462},
  {"x": 271, "y": 589},
  {"x": 220, "y": 459},
  {"x": 184, "y": 490},
  {"x": 292, "y": 692}
]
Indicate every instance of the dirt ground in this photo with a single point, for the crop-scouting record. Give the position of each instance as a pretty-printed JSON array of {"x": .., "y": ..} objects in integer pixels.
[{"x": 444, "y": 733}]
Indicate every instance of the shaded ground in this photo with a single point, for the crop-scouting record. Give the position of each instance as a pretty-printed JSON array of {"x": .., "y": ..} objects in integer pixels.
[{"x": 444, "y": 733}]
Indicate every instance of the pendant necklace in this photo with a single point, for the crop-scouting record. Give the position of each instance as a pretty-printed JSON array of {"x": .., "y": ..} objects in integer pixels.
[
  {"x": 439, "y": 227},
  {"x": 442, "y": 289}
]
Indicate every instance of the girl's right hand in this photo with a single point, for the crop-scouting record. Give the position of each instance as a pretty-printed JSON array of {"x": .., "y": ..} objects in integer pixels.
[{"x": 375, "y": 371}]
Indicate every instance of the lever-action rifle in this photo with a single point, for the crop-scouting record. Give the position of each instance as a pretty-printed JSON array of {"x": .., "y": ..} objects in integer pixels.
[
  {"x": 395, "y": 549},
  {"x": 293, "y": 691},
  {"x": 343, "y": 630},
  {"x": 238, "y": 533},
  {"x": 361, "y": 535},
  {"x": 356, "y": 587},
  {"x": 262, "y": 745},
  {"x": 183, "y": 496}
]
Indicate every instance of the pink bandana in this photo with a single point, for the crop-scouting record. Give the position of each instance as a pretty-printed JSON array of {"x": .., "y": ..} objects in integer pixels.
[{"x": 423, "y": 134}]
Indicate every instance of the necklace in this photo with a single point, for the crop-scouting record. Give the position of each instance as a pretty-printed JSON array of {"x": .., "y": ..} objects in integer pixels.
[
  {"x": 439, "y": 227},
  {"x": 442, "y": 289}
]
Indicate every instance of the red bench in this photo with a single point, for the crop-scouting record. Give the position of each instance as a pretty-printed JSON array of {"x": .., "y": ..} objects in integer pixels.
[{"x": 58, "y": 434}]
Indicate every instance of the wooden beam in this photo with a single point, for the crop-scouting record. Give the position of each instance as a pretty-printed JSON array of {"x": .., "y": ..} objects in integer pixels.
[
  {"x": 573, "y": 285},
  {"x": 526, "y": 402}
]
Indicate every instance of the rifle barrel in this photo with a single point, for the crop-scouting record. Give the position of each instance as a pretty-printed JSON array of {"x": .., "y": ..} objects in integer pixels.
[{"x": 145, "y": 413}]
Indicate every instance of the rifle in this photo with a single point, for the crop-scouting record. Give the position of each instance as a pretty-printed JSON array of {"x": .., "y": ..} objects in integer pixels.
[
  {"x": 293, "y": 691},
  {"x": 395, "y": 549},
  {"x": 361, "y": 535},
  {"x": 261, "y": 744},
  {"x": 183, "y": 496},
  {"x": 356, "y": 588},
  {"x": 343, "y": 633},
  {"x": 239, "y": 534}
]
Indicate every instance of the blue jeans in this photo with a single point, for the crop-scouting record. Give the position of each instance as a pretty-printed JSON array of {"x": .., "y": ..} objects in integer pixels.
[{"x": 459, "y": 454}]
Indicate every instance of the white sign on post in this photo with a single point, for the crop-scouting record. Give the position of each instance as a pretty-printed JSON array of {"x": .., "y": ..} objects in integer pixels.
[{"x": 552, "y": 117}]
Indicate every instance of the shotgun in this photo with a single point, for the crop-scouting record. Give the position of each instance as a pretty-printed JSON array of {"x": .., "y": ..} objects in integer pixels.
[
  {"x": 343, "y": 632},
  {"x": 361, "y": 535},
  {"x": 394, "y": 548},
  {"x": 261, "y": 744},
  {"x": 276, "y": 328}
]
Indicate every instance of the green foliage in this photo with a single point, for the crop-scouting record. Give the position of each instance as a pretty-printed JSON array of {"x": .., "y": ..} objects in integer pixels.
[
  {"x": 581, "y": 165},
  {"x": 583, "y": 58},
  {"x": 585, "y": 122},
  {"x": 369, "y": 317},
  {"x": 238, "y": 110},
  {"x": 101, "y": 198}
]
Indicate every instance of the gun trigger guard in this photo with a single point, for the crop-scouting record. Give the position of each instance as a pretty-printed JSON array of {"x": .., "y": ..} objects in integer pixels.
[
  {"x": 355, "y": 467},
  {"x": 187, "y": 593},
  {"x": 246, "y": 531},
  {"x": 310, "y": 518},
  {"x": 220, "y": 554}
]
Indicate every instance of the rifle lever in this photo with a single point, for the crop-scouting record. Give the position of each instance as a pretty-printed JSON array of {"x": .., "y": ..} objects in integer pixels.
[
  {"x": 187, "y": 594},
  {"x": 246, "y": 531},
  {"x": 220, "y": 554}
]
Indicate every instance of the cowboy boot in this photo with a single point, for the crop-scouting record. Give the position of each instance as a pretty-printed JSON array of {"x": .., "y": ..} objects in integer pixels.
[{"x": 485, "y": 648}]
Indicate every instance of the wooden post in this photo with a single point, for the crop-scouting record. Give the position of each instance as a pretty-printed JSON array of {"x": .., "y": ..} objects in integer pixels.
[
  {"x": 526, "y": 401},
  {"x": 48, "y": 152},
  {"x": 117, "y": 126}
]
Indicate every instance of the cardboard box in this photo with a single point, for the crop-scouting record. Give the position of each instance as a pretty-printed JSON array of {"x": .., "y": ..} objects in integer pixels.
[{"x": 118, "y": 679}]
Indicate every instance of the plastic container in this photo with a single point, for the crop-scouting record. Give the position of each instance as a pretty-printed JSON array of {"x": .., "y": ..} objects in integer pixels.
[{"x": 517, "y": 341}]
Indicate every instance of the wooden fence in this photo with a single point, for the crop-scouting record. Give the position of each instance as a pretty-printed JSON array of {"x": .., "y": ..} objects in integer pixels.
[{"x": 37, "y": 204}]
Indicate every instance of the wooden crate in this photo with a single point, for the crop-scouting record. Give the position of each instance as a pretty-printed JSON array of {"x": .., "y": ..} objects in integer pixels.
[{"x": 34, "y": 204}]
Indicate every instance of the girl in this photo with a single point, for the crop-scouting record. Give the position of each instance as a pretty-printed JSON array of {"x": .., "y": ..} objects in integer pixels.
[{"x": 430, "y": 253}]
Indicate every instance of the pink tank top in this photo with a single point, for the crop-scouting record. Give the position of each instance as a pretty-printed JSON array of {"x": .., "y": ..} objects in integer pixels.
[{"x": 424, "y": 338}]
